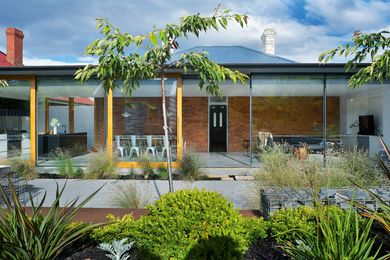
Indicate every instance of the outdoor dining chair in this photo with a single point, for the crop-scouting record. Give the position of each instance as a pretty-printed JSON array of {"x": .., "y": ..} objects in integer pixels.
[
  {"x": 150, "y": 147},
  {"x": 134, "y": 148},
  {"x": 122, "y": 149}
]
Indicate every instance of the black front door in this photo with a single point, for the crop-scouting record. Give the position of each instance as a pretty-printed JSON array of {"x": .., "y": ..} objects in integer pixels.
[{"x": 217, "y": 128}]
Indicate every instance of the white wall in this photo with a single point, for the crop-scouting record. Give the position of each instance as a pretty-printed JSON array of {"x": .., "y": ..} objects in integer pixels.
[
  {"x": 370, "y": 100},
  {"x": 83, "y": 120}
]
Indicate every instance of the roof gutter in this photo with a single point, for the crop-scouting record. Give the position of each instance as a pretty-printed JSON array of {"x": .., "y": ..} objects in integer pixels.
[{"x": 281, "y": 68}]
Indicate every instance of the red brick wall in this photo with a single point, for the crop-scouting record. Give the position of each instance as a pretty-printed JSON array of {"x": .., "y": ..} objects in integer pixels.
[
  {"x": 149, "y": 111},
  {"x": 99, "y": 138},
  {"x": 238, "y": 123},
  {"x": 279, "y": 115},
  {"x": 195, "y": 123},
  {"x": 292, "y": 115}
]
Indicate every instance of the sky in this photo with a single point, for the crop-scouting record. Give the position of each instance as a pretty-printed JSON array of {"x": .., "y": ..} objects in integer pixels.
[{"x": 57, "y": 32}]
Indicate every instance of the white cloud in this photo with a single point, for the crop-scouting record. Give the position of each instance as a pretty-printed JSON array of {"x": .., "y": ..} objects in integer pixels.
[
  {"x": 36, "y": 61},
  {"x": 346, "y": 16},
  {"x": 54, "y": 28}
]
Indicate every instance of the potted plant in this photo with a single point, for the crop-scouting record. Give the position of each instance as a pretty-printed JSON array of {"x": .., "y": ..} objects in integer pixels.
[{"x": 55, "y": 123}]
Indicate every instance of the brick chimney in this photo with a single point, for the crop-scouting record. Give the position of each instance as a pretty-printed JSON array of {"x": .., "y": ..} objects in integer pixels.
[
  {"x": 14, "y": 46},
  {"x": 268, "y": 40}
]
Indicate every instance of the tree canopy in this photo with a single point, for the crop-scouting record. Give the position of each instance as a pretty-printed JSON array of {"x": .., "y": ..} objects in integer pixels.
[
  {"x": 119, "y": 65},
  {"x": 372, "y": 46}
]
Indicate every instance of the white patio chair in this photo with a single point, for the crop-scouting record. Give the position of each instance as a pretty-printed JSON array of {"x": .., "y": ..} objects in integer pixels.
[
  {"x": 134, "y": 148},
  {"x": 122, "y": 149},
  {"x": 265, "y": 139},
  {"x": 150, "y": 147}
]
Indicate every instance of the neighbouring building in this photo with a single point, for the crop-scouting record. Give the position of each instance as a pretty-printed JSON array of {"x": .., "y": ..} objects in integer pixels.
[
  {"x": 45, "y": 114},
  {"x": 14, "y": 43}
]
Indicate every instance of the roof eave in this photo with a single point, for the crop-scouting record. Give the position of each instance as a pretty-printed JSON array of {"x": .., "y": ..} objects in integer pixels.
[{"x": 249, "y": 68}]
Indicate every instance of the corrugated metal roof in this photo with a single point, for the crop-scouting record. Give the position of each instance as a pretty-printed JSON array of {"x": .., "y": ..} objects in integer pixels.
[
  {"x": 235, "y": 55},
  {"x": 3, "y": 59}
]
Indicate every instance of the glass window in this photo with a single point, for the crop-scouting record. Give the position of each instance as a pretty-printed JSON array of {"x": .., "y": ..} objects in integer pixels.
[
  {"x": 138, "y": 122},
  {"x": 361, "y": 116},
  {"x": 289, "y": 110},
  {"x": 15, "y": 120},
  {"x": 70, "y": 119}
]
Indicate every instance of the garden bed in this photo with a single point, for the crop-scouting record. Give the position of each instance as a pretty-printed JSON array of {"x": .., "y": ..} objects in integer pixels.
[
  {"x": 99, "y": 215},
  {"x": 260, "y": 249}
]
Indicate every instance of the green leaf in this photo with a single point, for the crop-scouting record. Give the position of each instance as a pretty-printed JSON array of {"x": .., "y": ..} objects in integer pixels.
[{"x": 153, "y": 39}]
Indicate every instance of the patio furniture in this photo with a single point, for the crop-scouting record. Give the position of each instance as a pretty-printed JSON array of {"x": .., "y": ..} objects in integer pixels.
[
  {"x": 134, "y": 148},
  {"x": 245, "y": 146},
  {"x": 150, "y": 147},
  {"x": 118, "y": 146},
  {"x": 264, "y": 139},
  {"x": 313, "y": 143}
]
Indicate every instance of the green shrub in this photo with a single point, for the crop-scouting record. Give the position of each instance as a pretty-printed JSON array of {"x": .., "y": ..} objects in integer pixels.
[
  {"x": 146, "y": 165},
  {"x": 23, "y": 168},
  {"x": 190, "y": 167},
  {"x": 190, "y": 224},
  {"x": 338, "y": 236},
  {"x": 162, "y": 171},
  {"x": 66, "y": 168},
  {"x": 36, "y": 236},
  {"x": 291, "y": 224},
  {"x": 357, "y": 164},
  {"x": 116, "y": 229},
  {"x": 256, "y": 228},
  {"x": 101, "y": 166},
  {"x": 130, "y": 195}
]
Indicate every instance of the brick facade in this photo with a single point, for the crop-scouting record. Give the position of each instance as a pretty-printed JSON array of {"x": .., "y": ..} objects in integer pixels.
[
  {"x": 279, "y": 115},
  {"x": 293, "y": 115},
  {"x": 99, "y": 127},
  {"x": 195, "y": 123},
  {"x": 238, "y": 122}
]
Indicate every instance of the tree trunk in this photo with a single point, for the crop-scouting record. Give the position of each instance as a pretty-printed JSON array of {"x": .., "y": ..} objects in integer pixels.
[{"x": 166, "y": 134}]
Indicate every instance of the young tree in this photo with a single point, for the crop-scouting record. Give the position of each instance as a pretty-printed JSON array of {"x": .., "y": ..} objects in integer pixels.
[
  {"x": 375, "y": 46},
  {"x": 119, "y": 67}
]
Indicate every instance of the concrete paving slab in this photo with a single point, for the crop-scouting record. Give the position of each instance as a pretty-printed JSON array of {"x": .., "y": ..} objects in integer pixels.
[{"x": 237, "y": 192}]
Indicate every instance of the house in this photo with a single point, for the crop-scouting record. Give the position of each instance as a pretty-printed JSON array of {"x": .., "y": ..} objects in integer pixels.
[{"x": 46, "y": 115}]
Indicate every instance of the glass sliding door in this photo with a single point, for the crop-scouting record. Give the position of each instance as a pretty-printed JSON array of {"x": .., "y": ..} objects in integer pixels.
[
  {"x": 15, "y": 120},
  {"x": 138, "y": 122},
  {"x": 288, "y": 110},
  {"x": 362, "y": 116},
  {"x": 70, "y": 120}
]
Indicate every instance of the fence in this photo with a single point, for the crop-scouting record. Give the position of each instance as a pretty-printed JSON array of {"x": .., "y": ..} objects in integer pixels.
[
  {"x": 273, "y": 199},
  {"x": 19, "y": 184}
]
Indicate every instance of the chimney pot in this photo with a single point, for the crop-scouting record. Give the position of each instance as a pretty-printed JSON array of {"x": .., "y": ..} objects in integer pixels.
[
  {"x": 14, "y": 46},
  {"x": 268, "y": 40}
]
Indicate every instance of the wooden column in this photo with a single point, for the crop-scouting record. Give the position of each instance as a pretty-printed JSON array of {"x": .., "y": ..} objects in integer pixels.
[
  {"x": 71, "y": 115},
  {"x": 33, "y": 123},
  {"x": 47, "y": 107},
  {"x": 109, "y": 122},
  {"x": 179, "y": 117}
]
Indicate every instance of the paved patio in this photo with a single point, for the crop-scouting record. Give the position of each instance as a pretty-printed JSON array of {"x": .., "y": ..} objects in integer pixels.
[
  {"x": 208, "y": 160},
  {"x": 238, "y": 192},
  {"x": 228, "y": 160}
]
